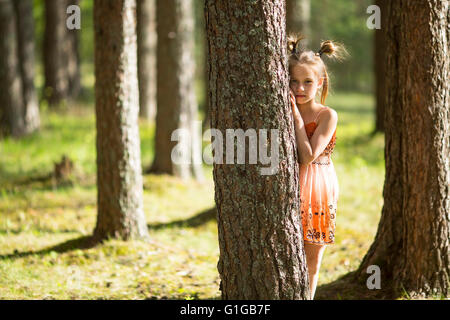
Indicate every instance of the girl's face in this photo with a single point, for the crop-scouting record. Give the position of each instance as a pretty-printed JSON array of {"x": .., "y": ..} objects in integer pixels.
[{"x": 304, "y": 83}]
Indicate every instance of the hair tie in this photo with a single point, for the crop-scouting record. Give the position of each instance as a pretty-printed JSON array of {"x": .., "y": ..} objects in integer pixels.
[{"x": 319, "y": 53}]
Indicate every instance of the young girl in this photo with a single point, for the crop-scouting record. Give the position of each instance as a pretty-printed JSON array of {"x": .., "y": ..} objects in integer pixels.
[{"x": 315, "y": 130}]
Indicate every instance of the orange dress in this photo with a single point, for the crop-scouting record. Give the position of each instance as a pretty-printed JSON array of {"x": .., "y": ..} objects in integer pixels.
[{"x": 319, "y": 192}]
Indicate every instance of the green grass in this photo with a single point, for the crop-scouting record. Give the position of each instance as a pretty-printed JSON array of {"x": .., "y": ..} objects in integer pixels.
[{"x": 42, "y": 226}]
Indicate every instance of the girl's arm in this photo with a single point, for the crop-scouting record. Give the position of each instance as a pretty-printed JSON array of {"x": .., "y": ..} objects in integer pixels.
[{"x": 308, "y": 151}]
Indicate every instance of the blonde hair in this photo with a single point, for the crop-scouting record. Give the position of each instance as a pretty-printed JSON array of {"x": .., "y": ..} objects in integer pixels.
[{"x": 298, "y": 54}]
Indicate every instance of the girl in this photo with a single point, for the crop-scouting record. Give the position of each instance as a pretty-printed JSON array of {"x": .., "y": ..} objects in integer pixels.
[{"x": 315, "y": 131}]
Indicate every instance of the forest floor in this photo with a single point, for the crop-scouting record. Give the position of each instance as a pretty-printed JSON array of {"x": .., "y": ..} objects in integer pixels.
[{"x": 44, "y": 224}]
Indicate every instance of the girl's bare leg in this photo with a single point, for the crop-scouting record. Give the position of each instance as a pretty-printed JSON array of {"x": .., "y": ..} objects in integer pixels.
[{"x": 314, "y": 254}]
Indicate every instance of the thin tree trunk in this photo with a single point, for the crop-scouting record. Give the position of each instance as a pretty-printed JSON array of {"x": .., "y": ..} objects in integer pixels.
[
  {"x": 146, "y": 30},
  {"x": 412, "y": 243},
  {"x": 55, "y": 49},
  {"x": 380, "y": 69},
  {"x": 11, "y": 100},
  {"x": 261, "y": 247},
  {"x": 26, "y": 48},
  {"x": 73, "y": 58},
  {"x": 207, "y": 118},
  {"x": 176, "y": 102},
  {"x": 119, "y": 176},
  {"x": 298, "y": 13}
]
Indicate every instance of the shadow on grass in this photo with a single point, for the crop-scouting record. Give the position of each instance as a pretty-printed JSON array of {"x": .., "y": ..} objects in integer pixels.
[
  {"x": 347, "y": 287},
  {"x": 195, "y": 221},
  {"x": 88, "y": 242},
  {"x": 84, "y": 242}
]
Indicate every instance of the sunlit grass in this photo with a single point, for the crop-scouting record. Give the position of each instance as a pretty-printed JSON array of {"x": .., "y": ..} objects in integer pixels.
[{"x": 40, "y": 222}]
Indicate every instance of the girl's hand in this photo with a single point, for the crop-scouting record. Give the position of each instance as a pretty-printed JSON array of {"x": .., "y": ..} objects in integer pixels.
[{"x": 296, "y": 113}]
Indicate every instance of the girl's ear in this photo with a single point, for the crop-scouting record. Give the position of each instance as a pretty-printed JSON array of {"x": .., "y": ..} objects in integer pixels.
[{"x": 320, "y": 83}]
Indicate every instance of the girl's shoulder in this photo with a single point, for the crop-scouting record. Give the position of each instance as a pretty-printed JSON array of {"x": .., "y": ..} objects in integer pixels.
[{"x": 327, "y": 112}]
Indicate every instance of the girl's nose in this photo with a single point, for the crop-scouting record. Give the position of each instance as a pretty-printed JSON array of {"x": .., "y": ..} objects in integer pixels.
[{"x": 299, "y": 86}]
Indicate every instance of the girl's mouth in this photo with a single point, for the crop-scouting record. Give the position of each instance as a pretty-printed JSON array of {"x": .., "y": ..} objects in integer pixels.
[{"x": 300, "y": 96}]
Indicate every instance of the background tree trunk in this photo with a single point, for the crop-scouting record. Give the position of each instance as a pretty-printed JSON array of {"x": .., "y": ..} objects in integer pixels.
[
  {"x": 176, "y": 102},
  {"x": 146, "y": 30},
  {"x": 55, "y": 49},
  {"x": 26, "y": 51},
  {"x": 119, "y": 176},
  {"x": 380, "y": 69},
  {"x": 412, "y": 243},
  {"x": 207, "y": 117},
  {"x": 298, "y": 13},
  {"x": 261, "y": 248},
  {"x": 11, "y": 100},
  {"x": 73, "y": 57}
]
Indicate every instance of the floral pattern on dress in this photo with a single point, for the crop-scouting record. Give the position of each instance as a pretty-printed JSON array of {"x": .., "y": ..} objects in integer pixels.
[{"x": 319, "y": 192}]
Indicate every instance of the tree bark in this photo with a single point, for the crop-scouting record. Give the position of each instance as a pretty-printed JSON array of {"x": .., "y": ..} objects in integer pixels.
[
  {"x": 146, "y": 26},
  {"x": 261, "y": 247},
  {"x": 380, "y": 68},
  {"x": 11, "y": 100},
  {"x": 207, "y": 118},
  {"x": 176, "y": 102},
  {"x": 56, "y": 86},
  {"x": 26, "y": 50},
  {"x": 73, "y": 57},
  {"x": 411, "y": 246},
  {"x": 119, "y": 176}
]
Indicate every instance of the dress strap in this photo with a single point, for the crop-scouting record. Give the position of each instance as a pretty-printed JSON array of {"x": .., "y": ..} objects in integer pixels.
[{"x": 319, "y": 113}]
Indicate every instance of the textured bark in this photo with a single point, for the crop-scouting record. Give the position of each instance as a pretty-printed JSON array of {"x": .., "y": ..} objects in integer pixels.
[
  {"x": 26, "y": 49},
  {"x": 146, "y": 29},
  {"x": 207, "y": 118},
  {"x": 298, "y": 13},
  {"x": 380, "y": 68},
  {"x": 11, "y": 100},
  {"x": 73, "y": 57},
  {"x": 119, "y": 176},
  {"x": 176, "y": 102},
  {"x": 55, "y": 52},
  {"x": 261, "y": 247},
  {"x": 412, "y": 243}
]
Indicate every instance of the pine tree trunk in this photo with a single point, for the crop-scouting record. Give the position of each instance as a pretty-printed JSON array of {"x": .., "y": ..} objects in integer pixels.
[
  {"x": 146, "y": 29},
  {"x": 412, "y": 243},
  {"x": 298, "y": 13},
  {"x": 176, "y": 102},
  {"x": 11, "y": 100},
  {"x": 26, "y": 48},
  {"x": 207, "y": 118},
  {"x": 261, "y": 247},
  {"x": 56, "y": 88},
  {"x": 380, "y": 69},
  {"x": 73, "y": 58},
  {"x": 119, "y": 176}
]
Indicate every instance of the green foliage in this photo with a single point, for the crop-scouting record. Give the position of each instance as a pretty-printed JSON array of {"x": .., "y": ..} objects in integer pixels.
[{"x": 345, "y": 21}]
